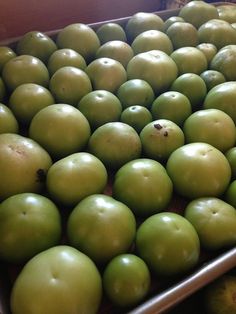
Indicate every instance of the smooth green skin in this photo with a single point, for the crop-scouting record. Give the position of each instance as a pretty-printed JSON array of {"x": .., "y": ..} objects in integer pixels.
[
  {"x": 8, "y": 122},
  {"x": 2, "y": 90},
  {"x": 210, "y": 126},
  {"x": 29, "y": 223},
  {"x": 230, "y": 194},
  {"x": 81, "y": 38},
  {"x": 144, "y": 186},
  {"x": 23, "y": 165},
  {"x": 117, "y": 50},
  {"x": 198, "y": 12},
  {"x": 217, "y": 32},
  {"x": 189, "y": 60},
  {"x": 192, "y": 86},
  {"x": 36, "y": 44},
  {"x": 224, "y": 62},
  {"x": 115, "y": 143},
  {"x": 28, "y": 99},
  {"x": 198, "y": 170},
  {"x": 100, "y": 107},
  {"x": 231, "y": 156},
  {"x": 168, "y": 243},
  {"x": 160, "y": 138},
  {"x": 106, "y": 73},
  {"x": 212, "y": 78},
  {"x": 141, "y": 22},
  {"x": 152, "y": 40},
  {"x": 6, "y": 53},
  {"x": 65, "y": 57},
  {"x": 223, "y": 97},
  {"x": 214, "y": 221},
  {"x": 101, "y": 227},
  {"x": 58, "y": 280},
  {"x": 25, "y": 69},
  {"x": 208, "y": 49},
  {"x": 66, "y": 130},
  {"x": 171, "y": 20},
  {"x": 74, "y": 177},
  {"x": 155, "y": 67},
  {"x": 135, "y": 92},
  {"x": 126, "y": 280},
  {"x": 171, "y": 105},
  {"x": 111, "y": 31},
  {"x": 69, "y": 84},
  {"x": 218, "y": 296},
  {"x": 182, "y": 34},
  {"x": 136, "y": 116}
]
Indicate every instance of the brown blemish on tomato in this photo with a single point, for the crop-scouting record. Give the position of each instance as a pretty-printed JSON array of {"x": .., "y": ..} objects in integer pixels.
[
  {"x": 166, "y": 133},
  {"x": 41, "y": 175},
  {"x": 157, "y": 126}
]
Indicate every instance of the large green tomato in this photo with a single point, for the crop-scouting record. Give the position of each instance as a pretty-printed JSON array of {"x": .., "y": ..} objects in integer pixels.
[
  {"x": 57, "y": 281},
  {"x": 212, "y": 126},
  {"x": 126, "y": 280},
  {"x": 66, "y": 130},
  {"x": 23, "y": 165},
  {"x": 29, "y": 223},
  {"x": 101, "y": 227},
  {"x": 144, "y": 186},
  {"x": 27, "y": 99},
  {"x": 25, "y": 69},
  {"x": 76, "y": 176},
  {"x": 214, "y": 221},
  {"x": 168, "y": 243},
  {"x": 36, "y": 44},
  {"x": 198, "y": 170},
  {"x": 115, "y": 143},
  {"x": 222, "y": 97}
]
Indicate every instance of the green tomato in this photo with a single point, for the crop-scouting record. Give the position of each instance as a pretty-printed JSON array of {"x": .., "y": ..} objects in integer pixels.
[
  {"x": 173, "y": 106},
  {"x": 198, "y": 170},
  {"x": 136, "y": 116},
  {"x": 160, "y": 138},
  {"x": 144, "y": 186},
  {"x": 25, "y": 69},
  {"x": 28, "y": 99},
  {"x": 230, "y": 194},
  {"x": 222, "y": 97},
  {"x": 69, "y": 84},
  {"x": 29, "y": 223},
  {"x": 6, "y": 53},
  {"x": 126, "y": 280},
  {"x": 100, "y": 107},
  {"x": 65, "y": 57},
  {"x": 231, "y": 156},
  {"x": 8, "y": 122},
  {"x": 76, "y": 176},
  {"x": 23, "y": 165},
  {"x": 115, "y": 143},
  {"x": 168, "y": 243},
  {"x": 214, "y": 221},
  {"x": 212, "y": 126},
  {"x": 66, "y": 130},
  {"x": 36, "y": 44},
  {"x": 58, "y": 280},
  {"x": 101, "y": 227}
]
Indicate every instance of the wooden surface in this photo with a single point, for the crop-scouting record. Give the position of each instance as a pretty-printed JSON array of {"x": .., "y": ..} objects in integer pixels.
[{"x": 18, "y": 17}]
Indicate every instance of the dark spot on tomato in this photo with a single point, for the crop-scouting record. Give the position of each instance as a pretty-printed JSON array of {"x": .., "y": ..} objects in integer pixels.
[
  {"x": 165, "y": 133},
  {"x": 157, "y": 126},
  {"x": 41, "y": 175}
]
